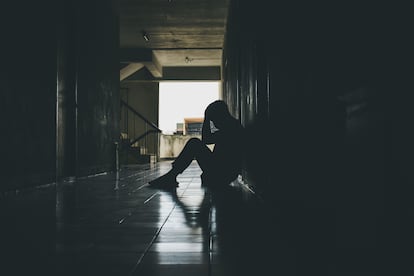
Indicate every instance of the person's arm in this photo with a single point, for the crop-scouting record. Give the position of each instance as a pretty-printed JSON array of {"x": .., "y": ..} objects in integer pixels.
[{"x": 206, "y": 135}]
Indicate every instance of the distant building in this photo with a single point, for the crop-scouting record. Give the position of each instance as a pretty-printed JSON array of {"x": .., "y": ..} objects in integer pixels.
[
  {"x": 179, "y": 129},
  {"x": 193, "y": 126}
]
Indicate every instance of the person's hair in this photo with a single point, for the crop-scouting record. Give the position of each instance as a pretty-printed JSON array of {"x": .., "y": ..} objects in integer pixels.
[{"x": 218, "y": 109}]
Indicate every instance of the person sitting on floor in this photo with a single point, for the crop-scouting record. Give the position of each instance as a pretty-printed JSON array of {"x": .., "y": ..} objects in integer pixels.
[{"x": 221, "y": 165}]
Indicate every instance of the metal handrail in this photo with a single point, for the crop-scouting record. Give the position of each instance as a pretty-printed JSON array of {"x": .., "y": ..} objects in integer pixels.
[
  {"x": 141, "y": 116},
  {"x": 142, "y": 136}
]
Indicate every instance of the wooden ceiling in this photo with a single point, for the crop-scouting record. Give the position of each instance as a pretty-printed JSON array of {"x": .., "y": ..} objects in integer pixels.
[{"x": 180, "y": 33}]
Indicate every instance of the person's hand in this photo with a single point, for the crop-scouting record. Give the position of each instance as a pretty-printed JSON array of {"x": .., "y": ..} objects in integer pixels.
[
  {"x": 213, "y": 128},
  {"x": 206, "y": 114}
]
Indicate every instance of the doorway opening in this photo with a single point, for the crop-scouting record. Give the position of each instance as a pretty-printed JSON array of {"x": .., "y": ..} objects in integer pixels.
[
  {"x": 182, "y": 100},
  {"x": 181, "y": 112}
]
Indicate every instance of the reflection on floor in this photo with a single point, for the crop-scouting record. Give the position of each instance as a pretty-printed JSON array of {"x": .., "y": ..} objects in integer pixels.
[
  {"x": 109, "y": 227},
  {"x": 105, "y": 225}
]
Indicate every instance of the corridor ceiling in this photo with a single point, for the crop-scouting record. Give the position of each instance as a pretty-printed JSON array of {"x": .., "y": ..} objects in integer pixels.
[{"x": 172, "y": 39}]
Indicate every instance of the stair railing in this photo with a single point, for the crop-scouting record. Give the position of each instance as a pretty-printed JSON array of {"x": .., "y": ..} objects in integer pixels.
[{"x": 142, "y": 138}]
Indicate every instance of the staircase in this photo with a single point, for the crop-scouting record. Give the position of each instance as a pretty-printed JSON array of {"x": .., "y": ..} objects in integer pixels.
[
  {"x": 133, "y": 154},
  {"x": 139, "y": 141}
]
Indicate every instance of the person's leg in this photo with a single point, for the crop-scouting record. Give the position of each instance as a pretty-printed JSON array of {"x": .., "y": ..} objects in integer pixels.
[{"x": 193, "y": 149}]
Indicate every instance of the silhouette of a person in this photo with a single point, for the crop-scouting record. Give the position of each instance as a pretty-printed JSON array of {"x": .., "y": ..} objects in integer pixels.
[{"x": 221, "y": 165}]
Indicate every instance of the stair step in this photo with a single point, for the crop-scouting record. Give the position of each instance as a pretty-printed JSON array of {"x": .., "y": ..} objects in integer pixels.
[{"x": 134, "y": 156}]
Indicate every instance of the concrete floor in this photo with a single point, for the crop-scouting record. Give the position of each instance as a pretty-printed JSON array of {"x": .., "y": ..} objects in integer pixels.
[
  {"x": 137, "y": 230},
  {"x": 103, "y": 226}
]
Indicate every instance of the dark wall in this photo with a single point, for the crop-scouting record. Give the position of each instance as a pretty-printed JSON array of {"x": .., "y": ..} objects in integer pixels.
[
  {"x": 310, "y": 82},
  {"x": 318, "y": 89},
  {"x": 67, "y": 61},
  {"x": 98, "y": 85},
  {"x": 28, "y": 93},
  {"x": 59, "y": 90},
  {"x": 59, "y": 100}
]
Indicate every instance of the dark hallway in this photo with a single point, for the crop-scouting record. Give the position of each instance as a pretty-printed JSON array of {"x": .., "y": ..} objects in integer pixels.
[
  {"x": 323, "y": 91},
  {"x": 106, "y": 226}
]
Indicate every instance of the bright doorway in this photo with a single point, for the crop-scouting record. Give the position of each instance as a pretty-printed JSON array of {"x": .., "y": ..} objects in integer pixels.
[{"x": 180, "y": 100}]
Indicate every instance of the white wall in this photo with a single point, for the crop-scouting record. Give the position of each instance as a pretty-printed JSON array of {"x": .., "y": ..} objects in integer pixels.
[{"x": 172, "y": 145}]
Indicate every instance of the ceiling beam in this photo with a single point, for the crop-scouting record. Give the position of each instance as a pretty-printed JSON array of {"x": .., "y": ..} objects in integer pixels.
[
  {"x": 130, "y": 55},
  {"x": 154, "y": 67},
  {"x": 192, "y": 73},
  {"x": 142, "y": 56},
  {"x": 129, "y": 70}
]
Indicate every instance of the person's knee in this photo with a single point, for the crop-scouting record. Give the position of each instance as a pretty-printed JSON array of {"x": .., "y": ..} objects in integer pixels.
[
  {"x": 194, "y": 145},
  {"x": 194, "y": 142}
]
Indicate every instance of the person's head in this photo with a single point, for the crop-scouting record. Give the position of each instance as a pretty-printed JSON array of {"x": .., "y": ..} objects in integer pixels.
[{"x": 218, "y": 112}]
